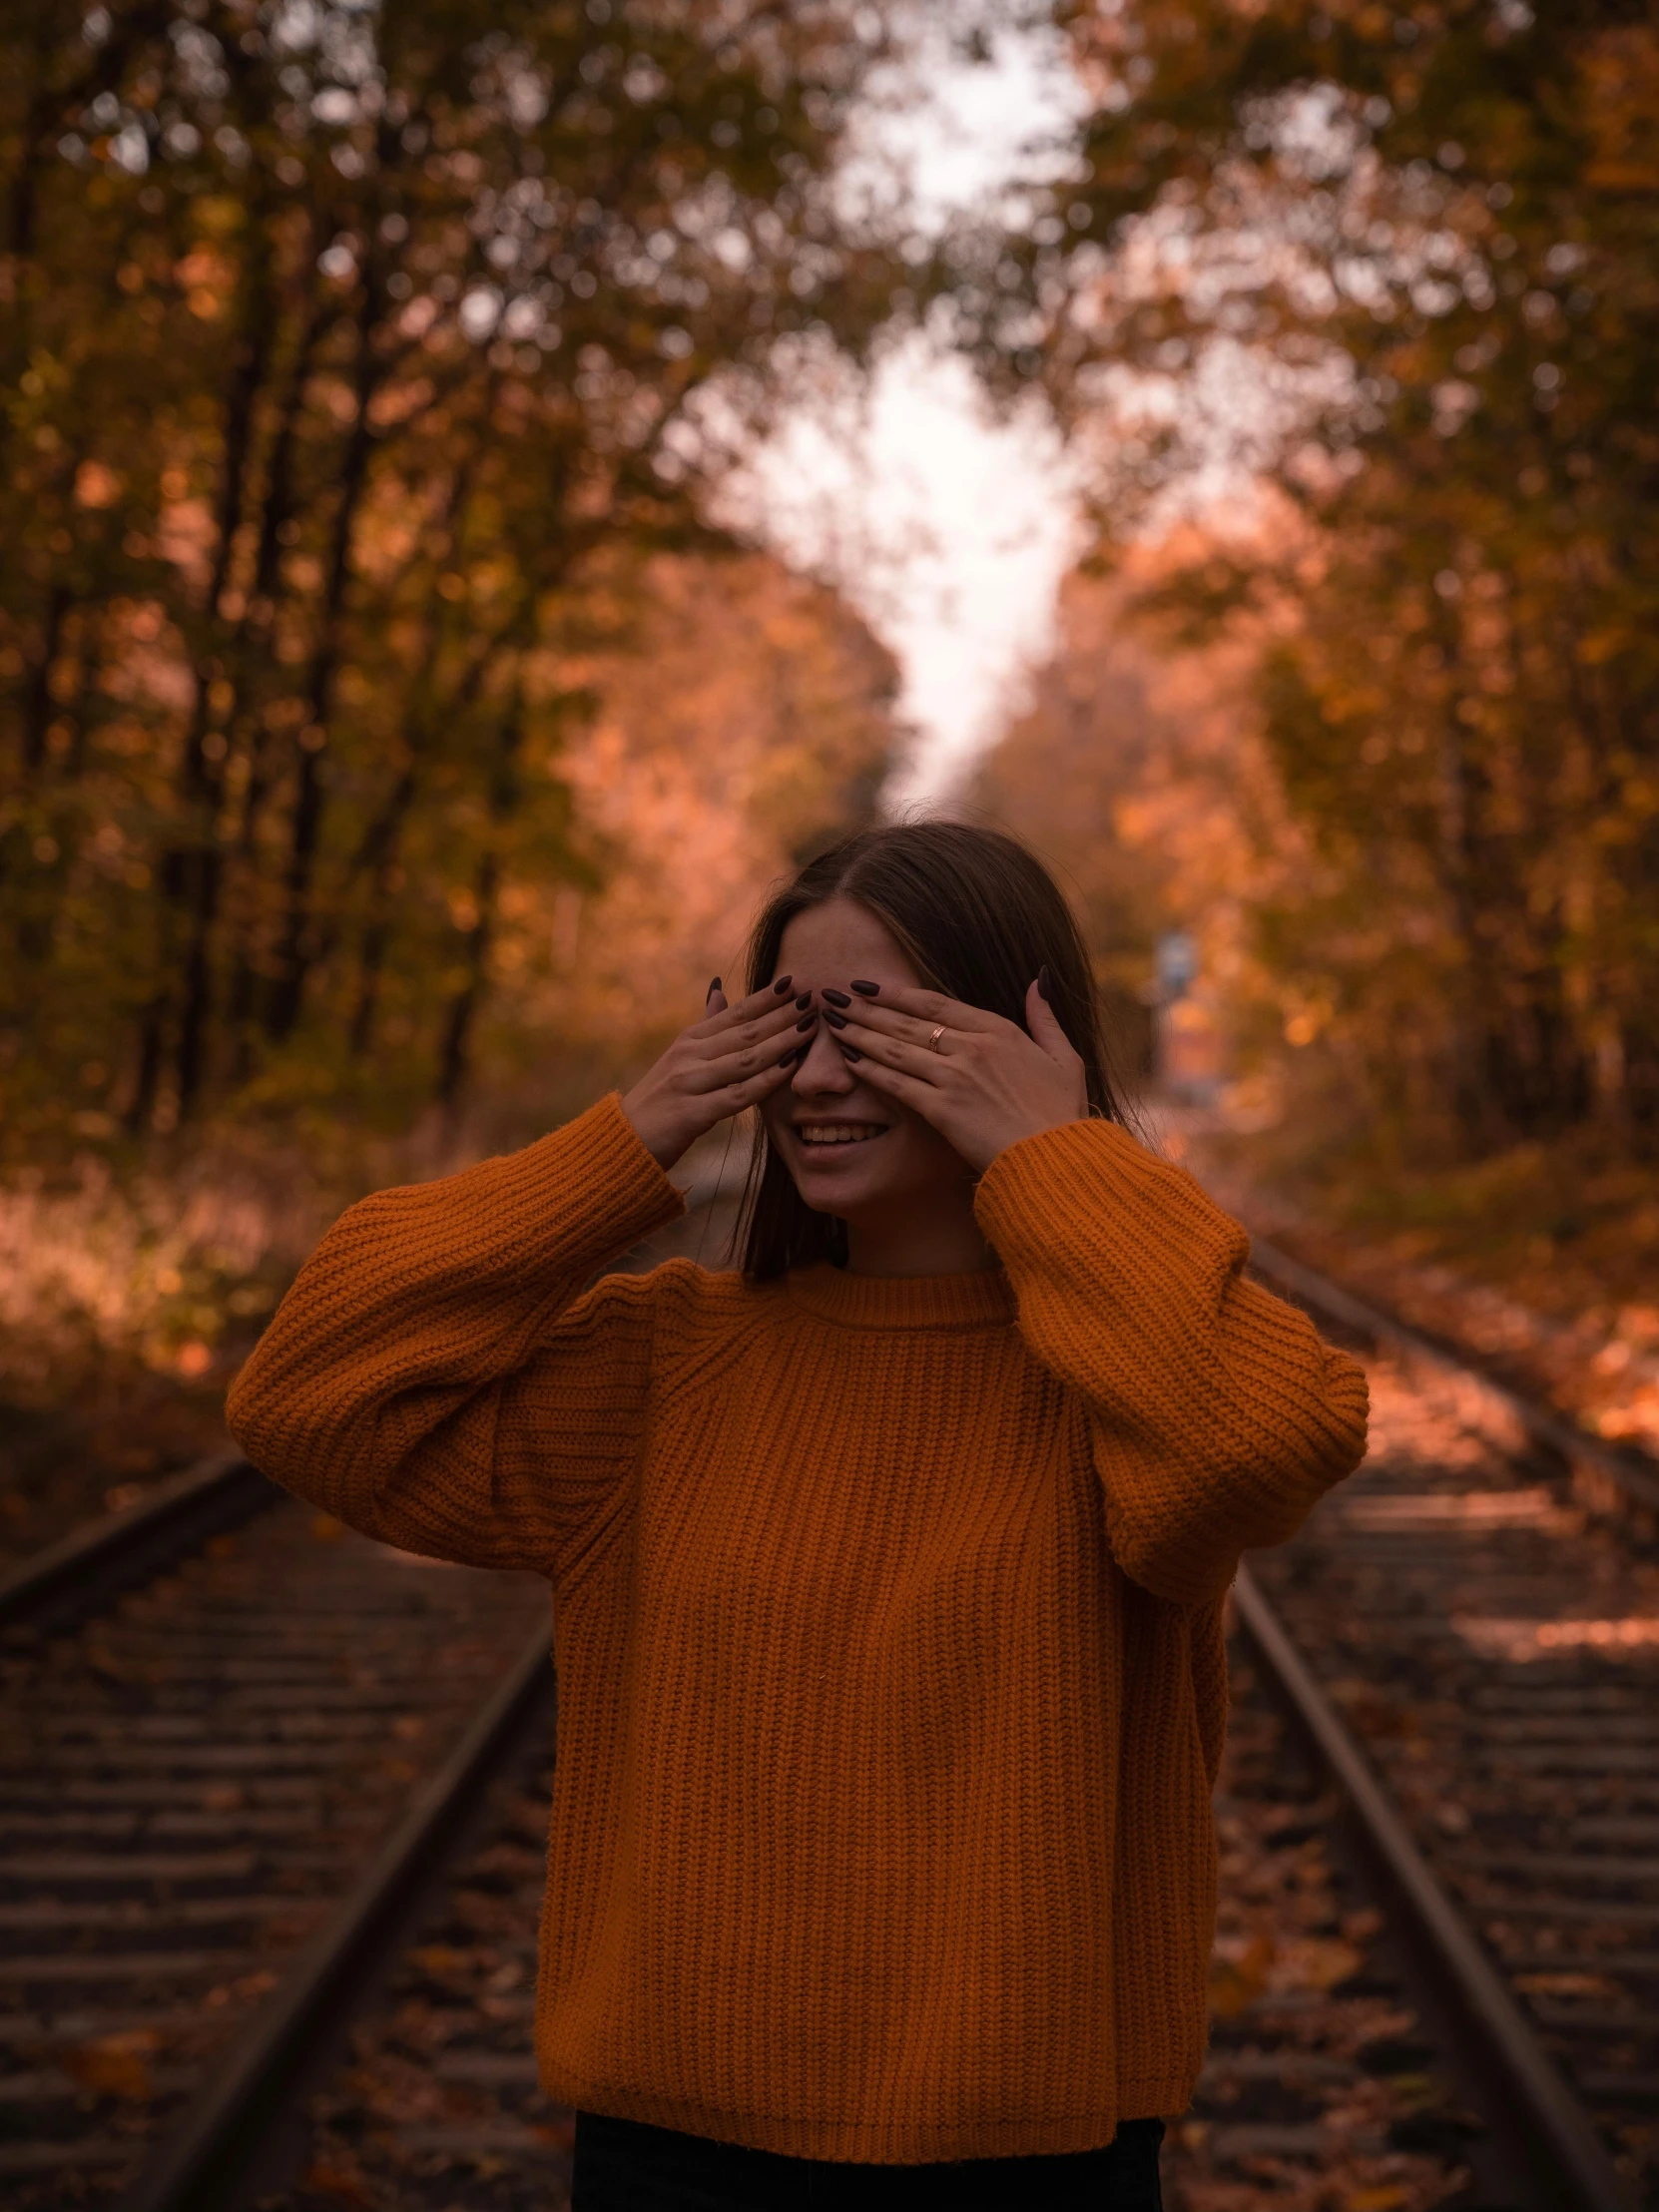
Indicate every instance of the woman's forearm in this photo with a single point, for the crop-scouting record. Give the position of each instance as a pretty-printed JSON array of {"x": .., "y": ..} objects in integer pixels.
[
  {"x": 1219, "y": 1415},
  {"x": 387, "y": 1378}
]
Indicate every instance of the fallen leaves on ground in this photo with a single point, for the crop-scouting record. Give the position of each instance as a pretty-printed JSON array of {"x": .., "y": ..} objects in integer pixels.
[
  {"x": 1316, "y": 2077},
  {"x": 116, "y": 2065}
]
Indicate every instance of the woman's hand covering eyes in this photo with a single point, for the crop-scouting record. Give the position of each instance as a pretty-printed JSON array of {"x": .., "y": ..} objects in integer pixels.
[
  {"x": 736, "y": 1056},
  {"x": 984, "y": 1085}
]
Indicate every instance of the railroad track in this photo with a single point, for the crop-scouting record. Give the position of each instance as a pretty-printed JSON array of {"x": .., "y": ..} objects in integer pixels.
[
  {"x": 1318, "y": 2066},
  {"x": 1467, "y": 1634},
  {"x": 237, "y": 1739},
  {"x": 269, "y": 1853},
  {"x": 193, "y": 1782},
  {"x": 1332, "y": 2078}
]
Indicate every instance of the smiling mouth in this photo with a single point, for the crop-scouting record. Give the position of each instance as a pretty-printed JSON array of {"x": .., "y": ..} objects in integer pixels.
[{"x": 825, "y": 1136}]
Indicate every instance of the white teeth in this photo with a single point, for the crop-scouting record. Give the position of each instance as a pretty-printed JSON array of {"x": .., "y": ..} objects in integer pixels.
[{"x": 838, "y": 1132}]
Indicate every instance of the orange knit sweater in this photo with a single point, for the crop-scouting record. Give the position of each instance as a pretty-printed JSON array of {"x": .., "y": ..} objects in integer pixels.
[{"x": 887, "y": 1617}]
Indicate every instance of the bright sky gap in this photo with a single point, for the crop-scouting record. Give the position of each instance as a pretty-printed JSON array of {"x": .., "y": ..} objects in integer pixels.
[{"x": 947, "y": 525}]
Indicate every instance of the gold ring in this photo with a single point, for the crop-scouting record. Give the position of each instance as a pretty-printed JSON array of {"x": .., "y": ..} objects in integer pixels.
[{"x": 933, "y": 1040}]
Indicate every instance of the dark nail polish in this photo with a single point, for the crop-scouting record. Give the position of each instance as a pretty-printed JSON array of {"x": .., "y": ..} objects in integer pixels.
[
  {"x": 835, "y": 1021},
  {"x": 850, "y": 1053},
  {"x": 835, "y": 998},
  {"x": 1042, "y": 982},
  {"x": 866, "y": 990},
  {"x": 782, "y": 986},
  {"x": 806, "y": 1022},
  {"x": 710, "y": 992},
  {"x": 792, "y": 1054},
  {"x": 802, "y": 1002}
]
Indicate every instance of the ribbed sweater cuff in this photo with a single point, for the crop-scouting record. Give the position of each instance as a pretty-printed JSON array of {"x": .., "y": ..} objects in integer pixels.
[
  {"x": 585, "y": 1192},
  {"x": 1036, "y": 1195}
]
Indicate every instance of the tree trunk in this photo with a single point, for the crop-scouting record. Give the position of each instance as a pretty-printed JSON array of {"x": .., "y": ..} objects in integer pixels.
[
  {"x": 37, "y": 696},
  {"x": 152, "y": 1039},
  {"x": 461, "y": 1019},
  {"x": 259, "y": 625},
  {"x": 202, "y": 871},
  {"x": 296, "y": 956},
  {"x": 1462, "y": 792}
]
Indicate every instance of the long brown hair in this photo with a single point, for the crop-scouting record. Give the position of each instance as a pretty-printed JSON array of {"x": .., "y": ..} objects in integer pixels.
[{"x": 979, "y": 916}]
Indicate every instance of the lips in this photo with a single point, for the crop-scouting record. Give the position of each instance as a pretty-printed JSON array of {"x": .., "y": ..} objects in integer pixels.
[{"x": 830, "y": 1135}]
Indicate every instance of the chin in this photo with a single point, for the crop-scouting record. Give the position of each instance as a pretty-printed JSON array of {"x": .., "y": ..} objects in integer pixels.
[
  {"x": 842, "y": 1192},
  {"x": 871, "y": 1188},
  {"x": 845, "y": 1180}
]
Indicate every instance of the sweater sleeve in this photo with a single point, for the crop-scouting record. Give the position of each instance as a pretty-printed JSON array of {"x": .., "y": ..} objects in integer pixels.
[
  {"x": 435, "y": 1377},
  {"x": 1218, "y": 1414}
]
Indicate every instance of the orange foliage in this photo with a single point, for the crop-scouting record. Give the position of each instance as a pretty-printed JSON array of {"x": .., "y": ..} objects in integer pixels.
[
  {"x": 745, "y": 721},
  {"x": 1137, "y": 768}
]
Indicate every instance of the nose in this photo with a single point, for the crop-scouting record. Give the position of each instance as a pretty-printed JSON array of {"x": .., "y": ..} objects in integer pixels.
[{"x": 823, "y": 1073}]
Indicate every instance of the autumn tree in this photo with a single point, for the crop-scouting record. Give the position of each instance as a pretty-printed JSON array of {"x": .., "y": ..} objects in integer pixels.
[
  {"x": 341, "y": 348},
  {"x": 1407, "y": 259},
  {"x": 743, "y": 720}
]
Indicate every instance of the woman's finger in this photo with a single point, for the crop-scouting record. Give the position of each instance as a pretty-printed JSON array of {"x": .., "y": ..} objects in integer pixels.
[
  {"x": 765, "y": 1001},
  {"x": 888, "y": 1050},
  {"x": 753, "y": 1088},
  {"x": 770, "y": 1036},
  {"x": 893, "y": 1082},
  {"x": 929, "y": 1007},
  {"x": 709, "y": 1043},
  {"x": 888, "y": 1021},
  {"x": 1045, "y": 1028},
  {"x": 918, "y": 1029},
  {"x": 871, "y": 1027}
]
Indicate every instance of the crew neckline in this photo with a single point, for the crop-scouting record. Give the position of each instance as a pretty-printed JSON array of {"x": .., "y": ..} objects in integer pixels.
[{"x": 976, "y": 1300}]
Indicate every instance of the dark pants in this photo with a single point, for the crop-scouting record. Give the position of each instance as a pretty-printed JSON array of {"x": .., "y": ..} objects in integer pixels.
[{"x": 626, "y": 2166}]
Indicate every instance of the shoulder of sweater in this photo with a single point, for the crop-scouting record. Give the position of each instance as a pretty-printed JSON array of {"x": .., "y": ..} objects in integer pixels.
[
  {"x": 701, "y": 1318},
  {"x": 687, "y": 1291},
  {"x": 1107, "y": 1156},
  {"x": 598, "y": 1143}
]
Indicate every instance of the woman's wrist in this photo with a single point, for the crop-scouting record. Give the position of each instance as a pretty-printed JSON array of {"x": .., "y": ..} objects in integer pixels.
[
  {"x": 1022, "y": 1134},
  {"x": 655, "y": 1130}
]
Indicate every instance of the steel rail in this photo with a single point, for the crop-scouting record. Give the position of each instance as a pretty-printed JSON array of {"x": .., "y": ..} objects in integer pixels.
[
  {"x": 1597, "y": 1466},
  {"x": 219, "y": 2135},
  {"x": 1539, "y": 2104},
  {"x": 118, "y": 1550}
]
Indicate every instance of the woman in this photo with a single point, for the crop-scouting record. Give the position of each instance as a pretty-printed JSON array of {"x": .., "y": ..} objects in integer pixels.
[{"x": 887, "y": 1573}]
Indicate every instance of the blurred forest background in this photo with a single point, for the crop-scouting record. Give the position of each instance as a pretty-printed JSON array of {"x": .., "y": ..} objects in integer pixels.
[{"x": 393, "y": 739}]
